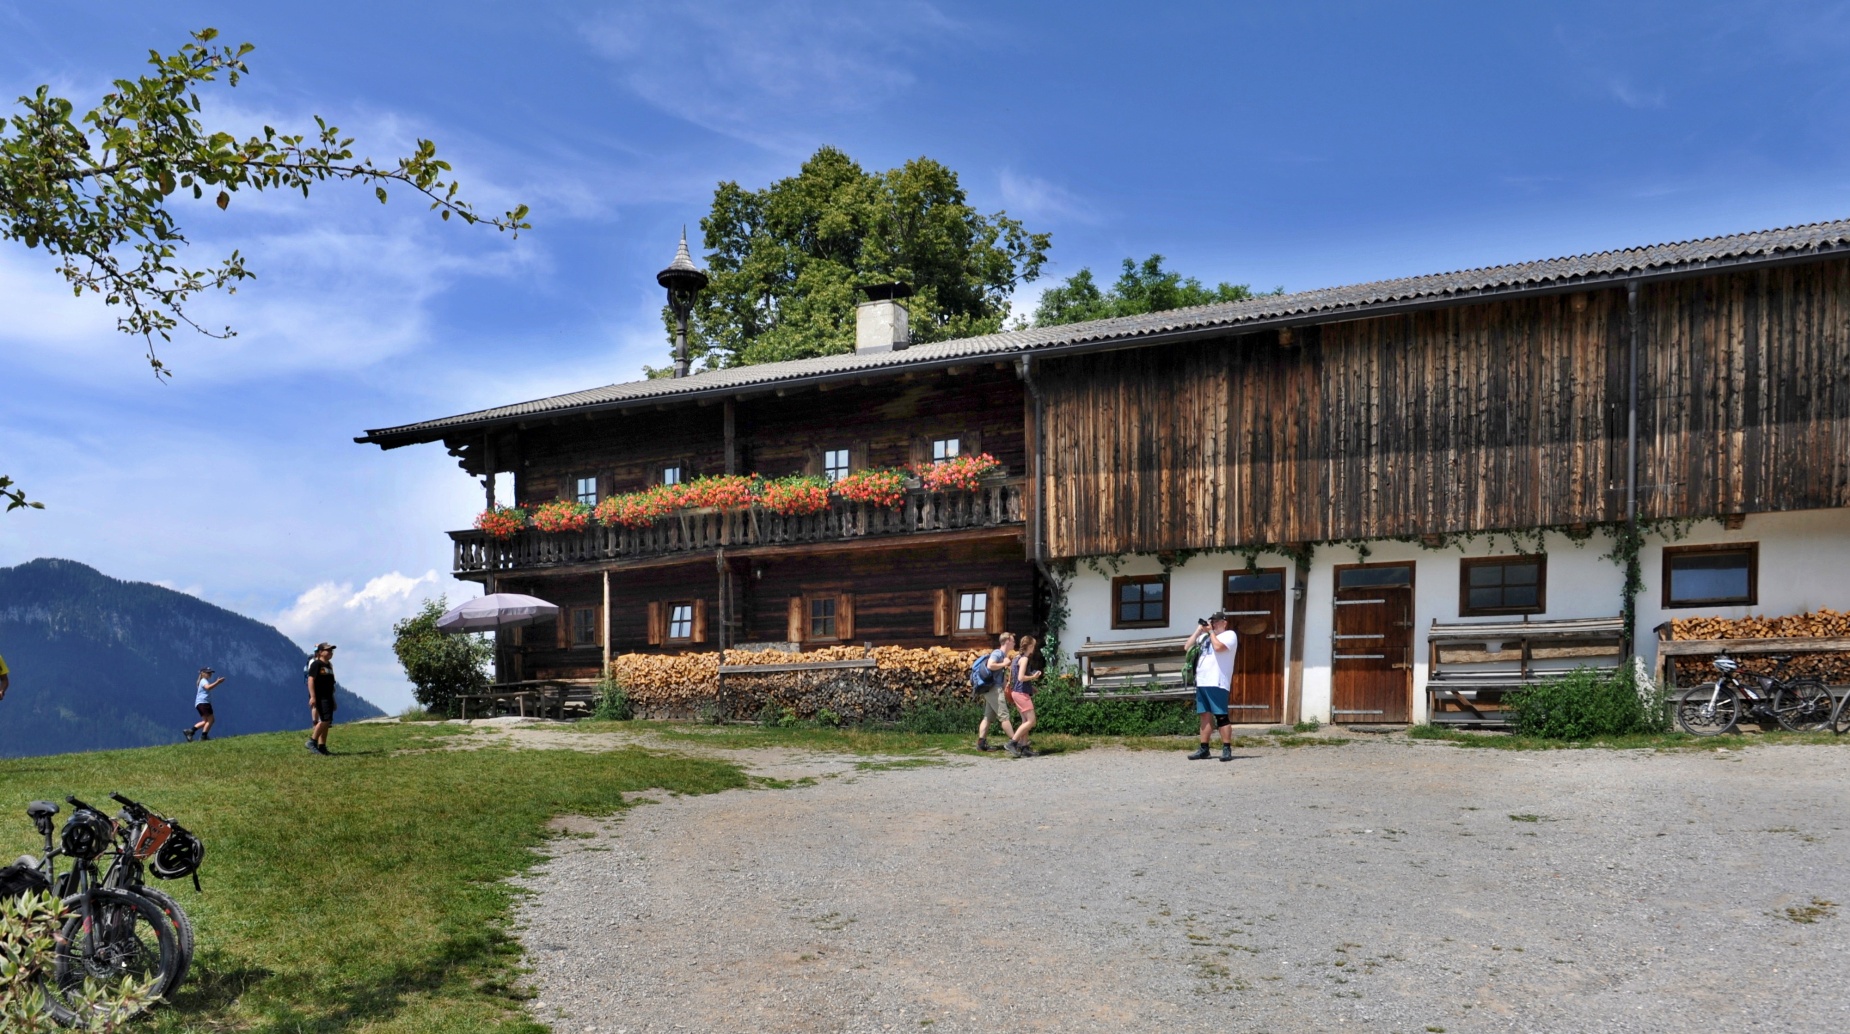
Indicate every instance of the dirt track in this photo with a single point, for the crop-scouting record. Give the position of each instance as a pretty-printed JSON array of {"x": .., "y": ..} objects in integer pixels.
[{"x": 1380, "y": 886}]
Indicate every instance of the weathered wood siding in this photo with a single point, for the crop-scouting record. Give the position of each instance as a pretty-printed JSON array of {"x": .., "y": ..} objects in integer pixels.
[
  {"x": 883, "y": 424},
  {"x": 1506, "y": 414}
]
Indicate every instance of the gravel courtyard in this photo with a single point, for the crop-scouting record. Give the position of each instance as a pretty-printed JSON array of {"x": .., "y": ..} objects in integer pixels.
[{"x": 1381, "y": 885}]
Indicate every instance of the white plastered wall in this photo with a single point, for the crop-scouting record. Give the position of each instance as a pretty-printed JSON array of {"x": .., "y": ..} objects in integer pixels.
[{"x": 1804, "y": 564}]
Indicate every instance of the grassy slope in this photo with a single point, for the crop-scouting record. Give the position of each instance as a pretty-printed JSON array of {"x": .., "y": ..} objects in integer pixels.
[{"x": 360, "y": 892}]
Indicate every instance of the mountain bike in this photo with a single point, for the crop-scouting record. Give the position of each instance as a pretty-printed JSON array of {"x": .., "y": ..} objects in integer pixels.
[
  {"x": 1840, "y": 718},
  {"x": 1801, "y": 704},
  {"x": 141, "y": 836}
]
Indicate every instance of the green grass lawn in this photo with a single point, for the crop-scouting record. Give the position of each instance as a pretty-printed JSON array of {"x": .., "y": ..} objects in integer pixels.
[{"x": 360, "y": 892}]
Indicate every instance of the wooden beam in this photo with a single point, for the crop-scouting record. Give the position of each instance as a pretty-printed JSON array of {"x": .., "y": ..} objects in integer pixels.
[
  {"x": 1799, "y": 644},
  {"x": 771, "y": 669}
]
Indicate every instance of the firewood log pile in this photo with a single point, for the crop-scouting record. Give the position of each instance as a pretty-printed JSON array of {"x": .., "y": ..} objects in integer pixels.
[
  {"x": 1833, "y": 668},
  {"x": 678, "y": 686}
]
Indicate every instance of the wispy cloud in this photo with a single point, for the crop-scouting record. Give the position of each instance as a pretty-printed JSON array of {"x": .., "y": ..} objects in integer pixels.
[
  {"x": 1032, "y": 197},
  {"x": 1635, "y": 97},
  {"x": 752, "y": 72}
]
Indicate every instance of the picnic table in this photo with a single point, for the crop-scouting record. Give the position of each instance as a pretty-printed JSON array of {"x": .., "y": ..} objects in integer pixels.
[{"x": 545, "y": 694}]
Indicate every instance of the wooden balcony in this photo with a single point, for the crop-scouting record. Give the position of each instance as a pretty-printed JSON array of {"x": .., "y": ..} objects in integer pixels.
[{"x": 995, "y": 505}]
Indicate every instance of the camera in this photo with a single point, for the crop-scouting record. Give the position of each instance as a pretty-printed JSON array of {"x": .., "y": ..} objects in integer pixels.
[{"x": 1201, "y": 622}]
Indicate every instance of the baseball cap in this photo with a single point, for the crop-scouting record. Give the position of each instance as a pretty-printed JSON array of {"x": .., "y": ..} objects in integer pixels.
[{"x": 323, "y": 646}]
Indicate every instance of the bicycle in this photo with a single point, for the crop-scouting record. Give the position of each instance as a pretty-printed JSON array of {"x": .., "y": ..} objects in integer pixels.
[
  {"x": 1840, "y": 718},
  {"x": 1800, "y": 705},
  {"x": 144, "y": 836}
]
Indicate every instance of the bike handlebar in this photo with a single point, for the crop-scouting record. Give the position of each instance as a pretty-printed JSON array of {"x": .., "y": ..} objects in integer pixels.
[{"x": 75, "y": 803}]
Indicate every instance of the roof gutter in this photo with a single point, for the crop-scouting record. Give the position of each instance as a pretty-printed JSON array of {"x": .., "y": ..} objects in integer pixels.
[{"x": 389, "y": 438}]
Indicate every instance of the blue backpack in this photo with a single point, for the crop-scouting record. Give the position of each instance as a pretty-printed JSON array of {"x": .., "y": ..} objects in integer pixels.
[{"x": 980, "y": 675}]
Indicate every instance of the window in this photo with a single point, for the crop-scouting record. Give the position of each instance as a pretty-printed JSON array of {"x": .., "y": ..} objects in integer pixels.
[
  {"x": 972, "y": 612},
  {"x": 1374, "y": 577},
  {"x": 681, "y": 621},
  {"x": 585, "y": 490},
  {"x": 584, "y": 626},
  {"x": 822, "y": 617},
  {"x": 835, "y": 464},
  {"x": 945, "y": 449},
  {"x": 1140, "y": 601},
  {"x": 674, "y": 474},
  {"x": 1255, "y": 581},
  {"x": 1696, "y": 576},
  {"x": 1502, "y": 585}
]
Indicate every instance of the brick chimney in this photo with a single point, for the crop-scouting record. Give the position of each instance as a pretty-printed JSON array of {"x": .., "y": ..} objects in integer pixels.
[{"x": 881, "y": 323}]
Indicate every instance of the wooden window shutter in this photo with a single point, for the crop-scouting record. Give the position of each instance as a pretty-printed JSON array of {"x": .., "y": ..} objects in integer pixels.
[
  {"x": 562, "y": 625},
  {"x": 700, "y": 621},
  {"x": 857, "y": 456},
  {"x": 971, "y": 444},
  {"x": 921, "y": 452},
  {"x": 655, "y": 624},
  {"x": 998, "y": 610},
  {"x": 844, "y": 616},
  {"x": 812, "y": 461},
  {"x": 798, "y": 620},
  {"x": 941, "y": 612}
]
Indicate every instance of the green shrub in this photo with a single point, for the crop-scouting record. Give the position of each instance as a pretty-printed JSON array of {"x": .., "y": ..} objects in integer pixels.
[
  {"x": 1584, "y": 704},
  {"x": 613, "y": 702},
  {"x": 1059, "y": 709},
  {"x": 439, "y": 665},
  {"x": 945, "y": 714}
]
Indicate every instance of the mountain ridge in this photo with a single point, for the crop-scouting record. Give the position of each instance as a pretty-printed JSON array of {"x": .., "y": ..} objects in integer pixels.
[{"x": 100, "y": 663}]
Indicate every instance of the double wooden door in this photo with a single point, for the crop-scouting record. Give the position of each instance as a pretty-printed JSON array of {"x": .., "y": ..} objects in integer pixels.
[
  {"x": 1255, "y": 603},
  {"x": 1371, "y": 671}
]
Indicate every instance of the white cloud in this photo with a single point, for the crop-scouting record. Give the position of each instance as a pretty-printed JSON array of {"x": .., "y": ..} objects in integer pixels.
[
  {"x": 360, "y": 623},
  {"x": 1034, "y": 198}
]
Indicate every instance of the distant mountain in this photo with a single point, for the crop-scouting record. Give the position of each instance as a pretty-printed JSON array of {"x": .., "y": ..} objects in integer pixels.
[{"x": 99, "y": 663}]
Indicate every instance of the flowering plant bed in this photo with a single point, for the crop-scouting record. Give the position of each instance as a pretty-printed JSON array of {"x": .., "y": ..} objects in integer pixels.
[
  {"x": 721, "y": 491},
  {"x": 875, "y": 487},
  {"x": 562, "y": 515},
  {"x": 501, "y": 522},
  {"x": 795, "y": 496},
  {"x": 962, "y": 474},
  {"x": 638, "y": 509}
]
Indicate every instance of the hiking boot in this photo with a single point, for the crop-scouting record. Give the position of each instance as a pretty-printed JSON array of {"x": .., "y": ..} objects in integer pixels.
[
  {"x": 1012, "y": 749},
  {"x": 982, "y": 744},
  {"x": 322, "y": 749},
  {"x": 190, "y": 730},
  {"x": 1226, "y": 752},
  {"x": 1028, "y": 751},
  {"x": 311, "y": 747},
  {"x": 1200, "y": 755},
  {"x": 204, "y": 735}
]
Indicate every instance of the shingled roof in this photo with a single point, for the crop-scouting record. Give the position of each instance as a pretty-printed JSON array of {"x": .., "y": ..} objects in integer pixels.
[{"x": 1322, "y": 305}]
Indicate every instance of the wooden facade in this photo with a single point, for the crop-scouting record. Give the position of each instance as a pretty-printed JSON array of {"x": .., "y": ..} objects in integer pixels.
[{"x": 1494, "y": 415}]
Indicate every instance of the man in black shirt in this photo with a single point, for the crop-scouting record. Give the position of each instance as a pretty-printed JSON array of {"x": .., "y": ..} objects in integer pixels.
[{"x": 321, "y": 696}]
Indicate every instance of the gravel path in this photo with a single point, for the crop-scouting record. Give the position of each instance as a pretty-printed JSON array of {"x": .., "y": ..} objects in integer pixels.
[{"x": 1381, "y": 886}]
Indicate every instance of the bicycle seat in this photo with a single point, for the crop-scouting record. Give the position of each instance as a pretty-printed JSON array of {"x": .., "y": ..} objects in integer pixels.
[
  {"x": 1780, "y": 657},
  {"x": 41, "y": 809}
]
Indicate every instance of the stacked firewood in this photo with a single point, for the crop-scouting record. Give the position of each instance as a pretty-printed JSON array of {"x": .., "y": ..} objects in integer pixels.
[
  {"x": 1833, "y": 668},
  {"x": 679, "y": 686}
]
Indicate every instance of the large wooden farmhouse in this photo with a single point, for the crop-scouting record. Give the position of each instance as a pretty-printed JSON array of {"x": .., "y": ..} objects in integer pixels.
[{"x": 1350, "y": 470}]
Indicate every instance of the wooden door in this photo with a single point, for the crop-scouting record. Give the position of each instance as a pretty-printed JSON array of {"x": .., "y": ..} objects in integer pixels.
[
  {"x": 1371, "y": 670},
  {"x": 1255, "y": 603}
]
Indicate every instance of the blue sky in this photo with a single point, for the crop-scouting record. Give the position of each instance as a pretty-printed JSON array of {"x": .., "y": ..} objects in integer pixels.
[{"x": 1297, "y": 145}]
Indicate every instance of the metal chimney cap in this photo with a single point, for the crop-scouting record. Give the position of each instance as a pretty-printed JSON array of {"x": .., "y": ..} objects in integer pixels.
[
  {"x": 682, "y": 273},
  {"x": 885, "y": 292}
]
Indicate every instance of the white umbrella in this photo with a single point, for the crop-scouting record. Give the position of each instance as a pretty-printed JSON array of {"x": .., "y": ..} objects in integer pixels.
[{"x": 500, "y": 610}]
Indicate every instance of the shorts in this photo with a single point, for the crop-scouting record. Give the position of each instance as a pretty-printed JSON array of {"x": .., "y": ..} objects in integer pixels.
[
  {"x": 993, "y": 707},
  {"x": 1023, "y": 702},
  {"x": 205, "y": 710},
  {"x": 1210, "y": 700},
  {"x": 324, "y": 710}
]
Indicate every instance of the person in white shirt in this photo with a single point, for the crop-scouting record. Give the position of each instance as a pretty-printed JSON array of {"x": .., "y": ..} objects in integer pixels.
[
  {"x": 202, "y": 702},
  {"x": 1213, "y": 678}
]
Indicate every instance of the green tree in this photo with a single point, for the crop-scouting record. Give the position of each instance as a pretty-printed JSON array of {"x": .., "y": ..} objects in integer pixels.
[
  {"x": 785, "y": 260},
  {"x": 1140, "y": 288},
  {"x": 440, "y": 665},
  {"x": 101, "y": 192}
]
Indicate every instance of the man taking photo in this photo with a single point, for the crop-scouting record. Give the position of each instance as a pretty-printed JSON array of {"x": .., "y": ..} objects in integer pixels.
[{"x": 1213, "y": 678}]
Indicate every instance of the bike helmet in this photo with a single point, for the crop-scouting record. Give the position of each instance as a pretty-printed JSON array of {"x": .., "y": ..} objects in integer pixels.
[
  {"x": 87, "y": 834},
  {"x": 179, "y": 857},
  {"x": 1726, "y": 663}
]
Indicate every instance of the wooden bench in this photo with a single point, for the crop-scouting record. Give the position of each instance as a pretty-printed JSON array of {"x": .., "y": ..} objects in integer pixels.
[{"x": 1147, "y": 669}]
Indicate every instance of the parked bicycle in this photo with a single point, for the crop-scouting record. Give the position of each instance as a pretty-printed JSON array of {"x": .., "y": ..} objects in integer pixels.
[
  {"x": 150, "y": 842},
  {"x": 1840, "y": 718},
  {"x": 1800, "y": 704}
]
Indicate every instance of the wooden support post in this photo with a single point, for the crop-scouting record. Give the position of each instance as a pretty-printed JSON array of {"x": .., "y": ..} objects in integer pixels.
[
  {"x": 603, "y": 635},
  {"x": 488, "y": 466},
  {"x": 1300, "y": 608},
  {"x": 719, "y": 561},
  {"x": 731, "y": 431}
]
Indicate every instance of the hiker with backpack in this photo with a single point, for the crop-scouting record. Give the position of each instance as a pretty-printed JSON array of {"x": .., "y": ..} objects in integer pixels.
[{"x": 989, "y": 678}]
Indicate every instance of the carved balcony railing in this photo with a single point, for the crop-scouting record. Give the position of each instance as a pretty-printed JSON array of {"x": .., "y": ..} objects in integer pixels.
[{"x": 995, "y": 504}]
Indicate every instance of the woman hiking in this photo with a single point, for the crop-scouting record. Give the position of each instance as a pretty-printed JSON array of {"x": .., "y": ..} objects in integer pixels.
[{"x": 1029, "y": 667}]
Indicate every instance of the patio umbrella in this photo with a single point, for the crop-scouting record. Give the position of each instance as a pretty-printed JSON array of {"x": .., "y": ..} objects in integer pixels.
[{"x": 500, "y": 610}]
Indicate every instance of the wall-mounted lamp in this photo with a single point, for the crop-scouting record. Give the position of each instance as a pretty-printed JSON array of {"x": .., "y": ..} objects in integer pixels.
[{"x": 1297, "y": 592}]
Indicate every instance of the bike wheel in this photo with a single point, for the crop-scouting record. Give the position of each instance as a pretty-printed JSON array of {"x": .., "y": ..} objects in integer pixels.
[
  {"x": 1840, "y": 718},
  {"x": 1803, "y": 705},
  {"x": 182, "y": 926},
  {"x": 112, "y": 935},
  {"x": 1709, "y": 710}
]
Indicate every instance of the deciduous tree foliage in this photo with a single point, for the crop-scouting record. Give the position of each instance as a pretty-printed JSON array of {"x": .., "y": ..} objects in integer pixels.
[
  {"x": 785, "y": 260},
  {"x": 100, "y": 192},
  {"x": 1140, "y": 288},
  {"x": 440, "y": 666}
]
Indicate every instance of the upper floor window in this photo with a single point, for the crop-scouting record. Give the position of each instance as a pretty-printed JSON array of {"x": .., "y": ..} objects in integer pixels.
[
  {"x": 585, "y": 490},
  {"x": 973, "y": 611},
  {"x": 822, "y": 617},
  {"x": 1140, "y": 601},
  {"x": 674, "y": 474},
  {"x": 1502, "y": 585},
  {"x": 835, "y": 464},
  {"x": 945, "y": 449},
  {"x": 681, "y": 621},
  {"x": 1698, "y": 576}
]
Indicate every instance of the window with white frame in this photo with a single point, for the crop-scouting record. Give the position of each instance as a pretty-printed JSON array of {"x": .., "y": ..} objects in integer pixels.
[
  {"x": 972, "y": 611},
  {"x": 945, "y": 449},
  {"x": 585, "y": 490},
  {"x": 674, "y": 474},
  {"x": 834, "y": 464},
  {"x": 681, "y": 621}
]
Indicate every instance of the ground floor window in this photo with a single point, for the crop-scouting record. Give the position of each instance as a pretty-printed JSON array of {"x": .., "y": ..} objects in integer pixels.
[
  {"x": 584, "y": 626},
  {"x": 972, "y": 611},
  {"x": 681, "y": 621},
  {"x": 1140, "y": 601},
  {"x": 1374, "y": 576},
  {"x": 1502, "y": 585},
  {"x": 822, "y": 618},
  {"x": 1706, "y": 576}
]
